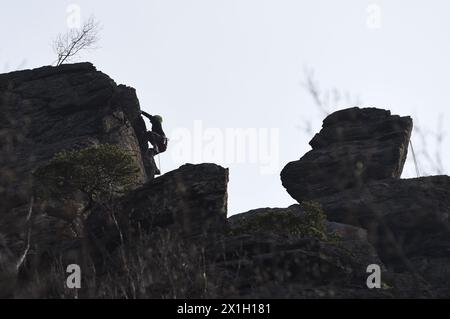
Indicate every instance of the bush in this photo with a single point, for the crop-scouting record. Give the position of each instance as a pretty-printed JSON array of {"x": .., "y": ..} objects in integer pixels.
[
  {"x": 98, "y": 172},
  {"x": 312, "y": 223}
]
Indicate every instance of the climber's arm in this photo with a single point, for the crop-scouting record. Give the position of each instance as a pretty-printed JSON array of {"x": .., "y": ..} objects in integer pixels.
[{"x": 147, "y": 115}]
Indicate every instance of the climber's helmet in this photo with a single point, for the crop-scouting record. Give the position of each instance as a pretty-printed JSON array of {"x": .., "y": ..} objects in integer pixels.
[{"x": 158, "y": 118}]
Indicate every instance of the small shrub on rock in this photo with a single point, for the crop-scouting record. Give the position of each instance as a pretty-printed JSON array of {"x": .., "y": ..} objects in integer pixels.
[{"x": 310, "y": 223}]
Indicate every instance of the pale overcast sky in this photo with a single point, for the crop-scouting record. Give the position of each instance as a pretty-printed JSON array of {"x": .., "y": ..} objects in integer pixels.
[{"x": 211, "y": 65}]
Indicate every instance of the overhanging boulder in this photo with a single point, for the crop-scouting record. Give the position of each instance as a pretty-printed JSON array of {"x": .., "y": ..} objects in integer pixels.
[{"x": 354, "y": 147}]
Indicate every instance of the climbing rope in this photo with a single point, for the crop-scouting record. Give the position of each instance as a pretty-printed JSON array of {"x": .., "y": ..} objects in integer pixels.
[
  {"x": 414, "y": 158},
  {"x": 159, "y": 165}
]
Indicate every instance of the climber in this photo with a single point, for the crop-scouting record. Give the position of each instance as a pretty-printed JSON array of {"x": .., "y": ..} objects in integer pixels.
[{"x": 156, "y": 136}]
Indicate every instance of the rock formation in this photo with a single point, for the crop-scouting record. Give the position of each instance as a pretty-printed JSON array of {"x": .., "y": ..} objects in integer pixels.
[
  {"x": 169, "y": 237},
  {"x": 355, "y": 146},
  {"x": 45, "y": 111},
  {"x": 354, "y": 172},
  {"x": 191, "y": 200}
]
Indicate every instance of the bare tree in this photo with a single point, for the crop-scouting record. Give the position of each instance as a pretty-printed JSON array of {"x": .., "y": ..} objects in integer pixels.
[
  {"x": 69, "y": 44},
  {"x": 325, "y": 100}
]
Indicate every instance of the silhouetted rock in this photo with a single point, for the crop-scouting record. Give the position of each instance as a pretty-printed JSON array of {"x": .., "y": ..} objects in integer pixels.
[
  {"x": 50, "y": 109},
  {"x": 45, "y": 111},
  {"x": 191, "y": 200},
  {"x": 273, "y": 264},
  {"x": 353, "y": 172},
  {"x": 345, "y": 237},
  {"x": 170, "y": 236},
  {"x": 355, "y": 146},
  {"x": 406, "y": 219}
]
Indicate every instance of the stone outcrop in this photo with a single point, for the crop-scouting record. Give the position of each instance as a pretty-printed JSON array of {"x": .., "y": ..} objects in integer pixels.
[
  {"x": 191, "y": 200},
  {"x": 342, "y": 239},
  {"x": 45, "y": 111},
  {"x": 50, "y": 109},
  {"x": 407, "y": 220},
  {"x": 410, "y": 208},
  {"x": 355, "y": 146},
  {"x": 269, "y": 264},
  {"x": 354, "y": 172}
]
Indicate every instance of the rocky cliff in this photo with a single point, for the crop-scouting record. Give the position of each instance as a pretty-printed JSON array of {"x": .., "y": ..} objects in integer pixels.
[
  {"x": 47, "y": 110},
  {"x": 354, "y": 171},
  {"x": 169, "y": 236}
]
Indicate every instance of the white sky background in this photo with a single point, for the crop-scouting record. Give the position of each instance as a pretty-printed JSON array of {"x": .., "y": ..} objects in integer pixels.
[{"x": 239, "y": 64}]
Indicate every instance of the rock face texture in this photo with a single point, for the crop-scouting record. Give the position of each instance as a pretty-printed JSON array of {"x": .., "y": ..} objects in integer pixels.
[
  {"x": 353, "y": 172},
  {"x": 305, "y": 266},
  {"x": 409, "y": 209},
  {"x": 281, "y": 265},
  {"x": 407, "y": 221},
  {"x": 50, "y": 109},
  {"x": 355, "y": 146},
  {"x": 191, "y": 200}
]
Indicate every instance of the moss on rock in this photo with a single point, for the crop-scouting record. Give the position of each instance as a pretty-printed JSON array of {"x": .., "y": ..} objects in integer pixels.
[{"x": 311, "y": 222}]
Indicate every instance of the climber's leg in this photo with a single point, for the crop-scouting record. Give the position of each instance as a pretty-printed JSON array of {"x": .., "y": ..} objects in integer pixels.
[
  {"x": 149, "y": 164},
  {"x": 152, "y": 138},
  {"x": 159, "y": 142}
]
